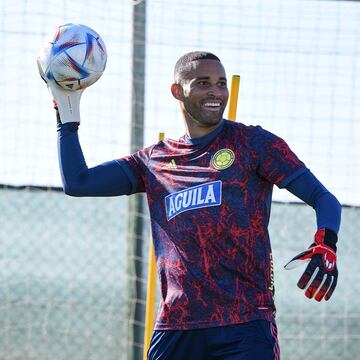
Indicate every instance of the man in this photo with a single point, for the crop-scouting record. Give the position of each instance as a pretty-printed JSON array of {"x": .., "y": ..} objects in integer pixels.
[{"x": 209, "y": 196}]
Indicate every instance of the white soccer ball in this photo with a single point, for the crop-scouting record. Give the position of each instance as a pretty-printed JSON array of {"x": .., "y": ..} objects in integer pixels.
[{"x": 73, "y": 55}]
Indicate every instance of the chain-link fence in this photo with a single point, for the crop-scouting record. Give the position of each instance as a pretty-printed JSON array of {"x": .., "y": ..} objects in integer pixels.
[
  {"x": 66, "y": 267},
  {"x": 64, "y": 276}
]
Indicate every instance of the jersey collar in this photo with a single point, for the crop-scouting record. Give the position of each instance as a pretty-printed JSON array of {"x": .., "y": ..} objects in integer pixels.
[{"x": 203, "y": 139}]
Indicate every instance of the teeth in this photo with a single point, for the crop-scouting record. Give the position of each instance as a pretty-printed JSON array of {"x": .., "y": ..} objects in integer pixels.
[{"x": 212, "y": 104}]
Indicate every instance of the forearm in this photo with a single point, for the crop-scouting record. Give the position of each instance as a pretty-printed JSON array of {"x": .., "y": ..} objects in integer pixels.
[
  {"x": 328, "y": 212},
  {"x": 328, "y": 209},
  {"x": 107, "y": 179}
]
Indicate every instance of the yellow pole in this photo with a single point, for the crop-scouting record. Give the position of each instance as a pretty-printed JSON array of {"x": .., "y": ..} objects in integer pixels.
[
  {"x": 234, "y": 94},
  {"x": 150, "y": 293}
]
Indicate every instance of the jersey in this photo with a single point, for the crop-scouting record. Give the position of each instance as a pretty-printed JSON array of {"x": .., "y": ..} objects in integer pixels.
[{"x": 209, "y": 200}]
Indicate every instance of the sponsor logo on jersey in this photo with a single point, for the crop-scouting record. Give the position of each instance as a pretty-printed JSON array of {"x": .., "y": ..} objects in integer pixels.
[
  {"x": 272, "y": 282},
  {"x": 204, "y": 195},
  {"x": 223, "y": 159}
]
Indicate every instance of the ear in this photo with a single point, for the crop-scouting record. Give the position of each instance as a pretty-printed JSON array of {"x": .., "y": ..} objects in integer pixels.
[{"x": 177, "y": 91}]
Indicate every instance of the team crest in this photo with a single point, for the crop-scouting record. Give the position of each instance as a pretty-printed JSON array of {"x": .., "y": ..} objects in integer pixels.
[{"x": 223, "y": 159}]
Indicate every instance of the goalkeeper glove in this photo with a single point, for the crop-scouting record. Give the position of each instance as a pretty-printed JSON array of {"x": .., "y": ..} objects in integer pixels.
[
  {"x": 66, "y": 102},
  {"x": 320, "y": 277}
]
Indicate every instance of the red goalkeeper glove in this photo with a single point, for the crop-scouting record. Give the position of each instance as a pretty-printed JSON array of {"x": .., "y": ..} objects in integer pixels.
[{"x": 320, "y": 277}]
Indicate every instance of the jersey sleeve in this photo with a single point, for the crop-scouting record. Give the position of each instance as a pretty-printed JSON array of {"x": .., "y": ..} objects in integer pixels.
[
  {"x": 106, "y": 179},
  {"x": 310, "y": 190},
  {"x": 136, "y": 168},
  {"x": 277, "y": 163}
]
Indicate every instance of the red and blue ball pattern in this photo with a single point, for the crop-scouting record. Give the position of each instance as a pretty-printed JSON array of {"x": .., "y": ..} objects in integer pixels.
[{"x": 75, "y": 56}]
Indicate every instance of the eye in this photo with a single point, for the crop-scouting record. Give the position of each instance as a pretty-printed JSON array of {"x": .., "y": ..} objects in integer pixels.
[
  {"x": 203, "y": 83},
  {"x": 222, "y": 83}
]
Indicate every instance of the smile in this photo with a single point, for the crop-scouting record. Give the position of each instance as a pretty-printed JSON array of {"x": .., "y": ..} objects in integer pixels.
[{"x": 212, "y": 105}]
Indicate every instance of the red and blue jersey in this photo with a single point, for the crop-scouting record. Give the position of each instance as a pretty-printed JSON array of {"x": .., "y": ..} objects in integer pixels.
[{"x": 209, "y": 201}]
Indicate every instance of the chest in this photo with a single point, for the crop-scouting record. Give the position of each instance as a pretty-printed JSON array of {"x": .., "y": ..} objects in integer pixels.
[{"x": 177, "y": 171}]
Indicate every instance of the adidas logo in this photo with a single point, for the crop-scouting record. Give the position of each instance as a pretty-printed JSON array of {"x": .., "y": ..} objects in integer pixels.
[{"x": 171, "y": 164}]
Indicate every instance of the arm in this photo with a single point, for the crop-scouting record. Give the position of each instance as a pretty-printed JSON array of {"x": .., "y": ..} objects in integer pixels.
[
  {"x": 280, "y": 166},
  {"x": 108, "y": 179},
  {"x": 309, "y": 189},
  {"x": 320, "y": 277}
]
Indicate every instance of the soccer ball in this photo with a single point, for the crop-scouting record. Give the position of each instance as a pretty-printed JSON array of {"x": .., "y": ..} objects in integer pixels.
[{"x": 74, "y": 56}]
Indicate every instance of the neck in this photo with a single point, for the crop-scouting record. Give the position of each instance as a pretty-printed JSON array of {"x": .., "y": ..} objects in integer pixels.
[
  {"x": 200, "y": 130},
  {"x": 195, "y": 129}
]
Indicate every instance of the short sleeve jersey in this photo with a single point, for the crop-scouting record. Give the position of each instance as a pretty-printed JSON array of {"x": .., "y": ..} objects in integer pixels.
[{"x": 209, "y": 201}]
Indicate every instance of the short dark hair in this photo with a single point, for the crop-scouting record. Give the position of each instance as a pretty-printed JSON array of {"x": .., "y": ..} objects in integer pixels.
[{"x": 183, "y": 65}]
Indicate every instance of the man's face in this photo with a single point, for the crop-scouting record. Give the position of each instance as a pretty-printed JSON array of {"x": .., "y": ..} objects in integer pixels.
[{"x": 205, "y": 92}]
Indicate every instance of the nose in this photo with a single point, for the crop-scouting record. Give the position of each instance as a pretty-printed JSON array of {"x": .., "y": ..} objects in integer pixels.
[{"x": 215, "y": 91}]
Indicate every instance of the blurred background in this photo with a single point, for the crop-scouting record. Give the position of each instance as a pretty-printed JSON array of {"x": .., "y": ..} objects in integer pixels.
[{"x": 73, "y": 271}]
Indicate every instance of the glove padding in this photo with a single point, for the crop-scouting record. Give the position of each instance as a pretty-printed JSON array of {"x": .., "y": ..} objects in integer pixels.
[
  {"x": 320, "y": 276},
  {"x": 66, "y": 102}
]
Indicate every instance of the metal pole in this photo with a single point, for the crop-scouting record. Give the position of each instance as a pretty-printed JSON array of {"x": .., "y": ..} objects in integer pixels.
[{"x": 136, "y": 202}]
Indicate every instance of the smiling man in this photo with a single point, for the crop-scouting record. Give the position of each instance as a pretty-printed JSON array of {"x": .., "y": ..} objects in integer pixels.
[
  {"x": 201, "y": 88},
  {"x": 209, "y": 195}
]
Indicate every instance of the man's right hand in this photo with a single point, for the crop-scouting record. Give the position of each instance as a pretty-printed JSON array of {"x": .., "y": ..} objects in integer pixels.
[{"x": 67, "y": 102}]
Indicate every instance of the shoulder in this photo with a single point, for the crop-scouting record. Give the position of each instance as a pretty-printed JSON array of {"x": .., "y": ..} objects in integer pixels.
[
  {"x": 141, "y": 156},
  {"x": 251, "y": 134},
  {"x": 246, "y": 129},
  {"x": 158, "y": 150}
]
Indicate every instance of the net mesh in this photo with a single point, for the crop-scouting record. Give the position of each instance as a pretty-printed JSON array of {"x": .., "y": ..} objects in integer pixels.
[
  {"x": 64, "y": 283},
  {"x": 63, "y": 292}
]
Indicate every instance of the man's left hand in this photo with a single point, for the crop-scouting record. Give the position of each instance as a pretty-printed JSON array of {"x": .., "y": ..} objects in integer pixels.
[{"x": 320, "y": 277}]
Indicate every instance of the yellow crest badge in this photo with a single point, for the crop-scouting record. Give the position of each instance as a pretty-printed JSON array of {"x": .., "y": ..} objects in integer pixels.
[{"x": 223, "y": 159}]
